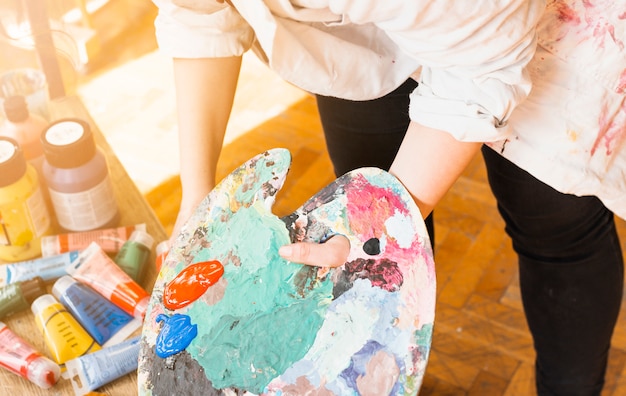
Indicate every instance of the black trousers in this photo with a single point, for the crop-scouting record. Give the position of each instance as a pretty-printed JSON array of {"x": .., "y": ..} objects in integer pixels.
[
  {"x": 570, "y": 260},
  {"x": 367, "y": 133}
]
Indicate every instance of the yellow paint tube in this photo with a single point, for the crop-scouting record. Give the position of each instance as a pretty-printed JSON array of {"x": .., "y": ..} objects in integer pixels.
[{"x": 64, "y": 336}]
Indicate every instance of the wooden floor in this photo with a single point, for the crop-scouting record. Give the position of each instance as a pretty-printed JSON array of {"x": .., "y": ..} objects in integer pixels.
[{"x": 481, "y": 345}]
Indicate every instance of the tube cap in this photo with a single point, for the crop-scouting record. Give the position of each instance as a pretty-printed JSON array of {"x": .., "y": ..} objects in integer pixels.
[
  {"x": 33, "y": 288},
  {"x": 42, "y": 302},
  {"x": 43, "y": 372},
  {"x": 61, "y": 285},
  {"x": 142, "y": 237}
]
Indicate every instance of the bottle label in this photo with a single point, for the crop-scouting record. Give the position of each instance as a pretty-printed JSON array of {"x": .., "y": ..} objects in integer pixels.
[
  {"x": 64, "y": 133},
  {"x": 21, "y": 222},
  {"x": 85, "y": 210},
  {"x": 7, "y": 150}
]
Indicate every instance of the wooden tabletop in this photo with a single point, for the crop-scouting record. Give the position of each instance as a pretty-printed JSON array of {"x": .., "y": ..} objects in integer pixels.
[{"x": 134, "y": 210}]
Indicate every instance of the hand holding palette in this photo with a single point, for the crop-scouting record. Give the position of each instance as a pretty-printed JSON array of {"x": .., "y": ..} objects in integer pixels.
[{"x": 229, "y": 316}]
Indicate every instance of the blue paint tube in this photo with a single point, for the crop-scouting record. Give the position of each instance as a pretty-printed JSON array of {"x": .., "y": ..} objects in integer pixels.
[
  {"x": 47, "y": 268},
  {"x": 104, "y": 321},
  {"x": 90, "y": 372}
]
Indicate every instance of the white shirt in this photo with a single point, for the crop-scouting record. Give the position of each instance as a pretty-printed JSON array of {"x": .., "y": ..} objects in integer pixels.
[{"x": 472, "y": 59}]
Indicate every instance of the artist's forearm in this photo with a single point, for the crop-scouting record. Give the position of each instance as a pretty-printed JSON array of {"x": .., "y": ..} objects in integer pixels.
[
  {"x": 205, "y": 90},
  {"x": 428, "y": 163}
]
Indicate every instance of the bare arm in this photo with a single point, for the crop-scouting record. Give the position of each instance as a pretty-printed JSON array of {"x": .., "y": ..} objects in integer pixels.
[
  {"x": 205, "y": 89},
  {"x": 427, "y": 164}
]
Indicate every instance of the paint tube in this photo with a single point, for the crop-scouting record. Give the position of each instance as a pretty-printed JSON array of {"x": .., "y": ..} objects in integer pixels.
[
  {"x": 20, "y": 295},
  {"x": 111, "y": 240},
  {"x": 97, "y": 369},
  {"x": 64, "y": 336},
  {"x": 104, "y": 321},
  {"x": 21, "y": 358},
  {"x": 134, "y": 254},
  {"x": 47, "y": 268},
  {"x": 96, "y": 269}
]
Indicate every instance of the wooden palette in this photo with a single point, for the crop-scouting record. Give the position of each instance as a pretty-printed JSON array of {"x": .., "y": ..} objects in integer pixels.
[{"x": 268, "y": 326}]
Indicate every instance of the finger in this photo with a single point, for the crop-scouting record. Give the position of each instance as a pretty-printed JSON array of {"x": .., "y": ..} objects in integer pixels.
[{"x": 332, "y": 253}]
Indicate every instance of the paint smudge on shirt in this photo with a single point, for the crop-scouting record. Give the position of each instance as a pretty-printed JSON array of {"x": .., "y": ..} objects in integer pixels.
[
  {"x": 612, "y": 129},
  {"x": 621, "y": 85}
]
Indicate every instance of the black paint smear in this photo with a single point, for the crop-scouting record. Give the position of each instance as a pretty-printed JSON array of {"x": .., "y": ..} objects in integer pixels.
[
  {"x": 372, "y": 247},
  {"x": 187, "y": 377},
  {"x": 380, "y": 272}
]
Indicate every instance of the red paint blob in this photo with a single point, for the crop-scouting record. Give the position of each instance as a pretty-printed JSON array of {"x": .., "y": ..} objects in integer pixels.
[
  {"x": 51, "y": 378},
  {"x": 191, "y": 283}
]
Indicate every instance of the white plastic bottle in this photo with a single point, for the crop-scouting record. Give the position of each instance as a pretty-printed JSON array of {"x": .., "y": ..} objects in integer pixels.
[{"x": 77, "y": 175}]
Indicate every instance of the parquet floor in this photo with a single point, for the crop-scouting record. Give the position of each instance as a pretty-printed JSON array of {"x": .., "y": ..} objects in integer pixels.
[{"x": 481, "y": 345}]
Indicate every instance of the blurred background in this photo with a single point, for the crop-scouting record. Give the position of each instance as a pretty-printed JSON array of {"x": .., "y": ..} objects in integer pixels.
[{"x": 107, "y": 54}]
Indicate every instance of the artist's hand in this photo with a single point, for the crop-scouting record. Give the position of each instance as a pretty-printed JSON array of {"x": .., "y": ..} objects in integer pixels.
[
  {"x": 332, "y": 253},
  {"x": 187, "y": 208}
]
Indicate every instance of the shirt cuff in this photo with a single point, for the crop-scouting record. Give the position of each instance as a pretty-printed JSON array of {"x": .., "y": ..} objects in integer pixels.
[
  {"x": 470, "y": 109},
  {"x": 182, "y": 33}
]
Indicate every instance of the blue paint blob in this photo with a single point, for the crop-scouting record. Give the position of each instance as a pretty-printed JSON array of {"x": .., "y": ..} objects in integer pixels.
[{"x": 175, "y": 335}]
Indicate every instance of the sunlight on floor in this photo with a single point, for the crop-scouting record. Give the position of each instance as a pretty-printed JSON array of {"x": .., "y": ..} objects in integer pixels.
[{"x": 134, "y": 106}]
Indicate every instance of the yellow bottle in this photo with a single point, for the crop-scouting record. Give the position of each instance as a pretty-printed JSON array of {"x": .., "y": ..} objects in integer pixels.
[
  {"x": 65, "y": 337},
  {"x": 24, "y": 218}
]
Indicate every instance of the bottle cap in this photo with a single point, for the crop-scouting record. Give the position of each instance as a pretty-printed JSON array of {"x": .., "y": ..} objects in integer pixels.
[
  {"x": 142, "y": 237},
  {"x": 61, "y": 285},
  {"x": 16, "y": 108},
  {"x": 68, "y": 143},
  {"x": 42, "y": 302},
  {"x": 12, "y": 161},
  {"x": 33, "y": 288},
  {"x": 162, "y": 247}
]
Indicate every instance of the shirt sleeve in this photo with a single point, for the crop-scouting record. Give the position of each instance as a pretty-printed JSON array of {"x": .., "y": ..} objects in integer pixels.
[
  {"x": 473, "y": 56},
  {"x": 201, "y": 29}
]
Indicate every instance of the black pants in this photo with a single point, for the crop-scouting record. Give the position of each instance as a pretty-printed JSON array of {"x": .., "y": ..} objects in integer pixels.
[
  {"x": 571, "y": 276},
  {"x": 367, "y": 133},
  {"x": 570, "y": 260}
]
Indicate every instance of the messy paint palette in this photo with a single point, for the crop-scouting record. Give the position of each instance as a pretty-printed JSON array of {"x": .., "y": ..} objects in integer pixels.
[{"x": 229, "y": 316}]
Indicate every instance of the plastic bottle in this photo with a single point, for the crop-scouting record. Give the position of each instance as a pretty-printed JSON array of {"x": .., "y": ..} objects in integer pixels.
[
  {"x": 78, "y": 179},
  {"x": 19, "y": 296},
  {"x": 24, "y": 218},
  {"x": 25, "y": 128},
  {"x": 135, "y": 254}
]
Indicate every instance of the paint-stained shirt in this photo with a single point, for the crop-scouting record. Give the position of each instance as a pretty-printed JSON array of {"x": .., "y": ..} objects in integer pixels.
[
  {"x": 570, "y": 132},
  {"x": 474, "y": 61}
]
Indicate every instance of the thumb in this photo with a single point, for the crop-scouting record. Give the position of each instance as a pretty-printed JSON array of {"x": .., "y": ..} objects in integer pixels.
[{"x": 332, "y": 253}]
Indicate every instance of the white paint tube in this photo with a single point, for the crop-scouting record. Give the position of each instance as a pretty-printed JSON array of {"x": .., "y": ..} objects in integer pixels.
[
  {"x": 90, "y": 372},
  {"x": 48, "y": 268}
]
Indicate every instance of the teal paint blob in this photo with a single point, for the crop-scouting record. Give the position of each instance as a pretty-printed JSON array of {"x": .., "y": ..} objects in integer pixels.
[{"x": 263, "y": 323}]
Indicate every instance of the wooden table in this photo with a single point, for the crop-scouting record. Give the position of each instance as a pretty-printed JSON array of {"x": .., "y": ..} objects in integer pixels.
[{"x": 134, "y": 210}]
